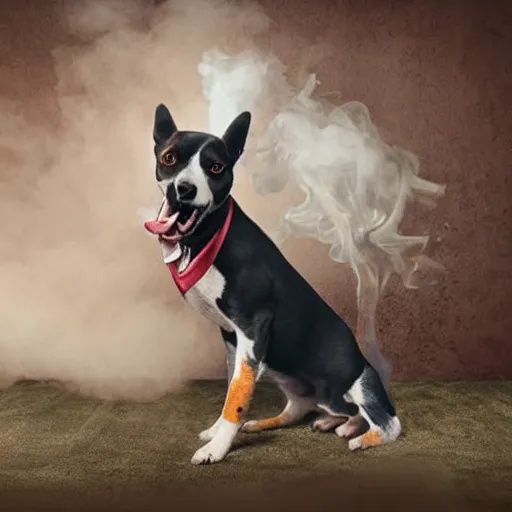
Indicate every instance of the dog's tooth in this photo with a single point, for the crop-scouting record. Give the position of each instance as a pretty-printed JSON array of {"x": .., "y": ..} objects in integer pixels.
[
  {"x": 169, "y": 221},
  {"x": 164, "y": 210}
]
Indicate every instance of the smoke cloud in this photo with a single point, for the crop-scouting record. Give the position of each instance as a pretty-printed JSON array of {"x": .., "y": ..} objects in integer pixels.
[{"x": 85, "y": 298}]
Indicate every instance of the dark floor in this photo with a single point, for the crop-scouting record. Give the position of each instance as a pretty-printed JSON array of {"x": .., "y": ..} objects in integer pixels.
[{"x": 456, "y": 442}]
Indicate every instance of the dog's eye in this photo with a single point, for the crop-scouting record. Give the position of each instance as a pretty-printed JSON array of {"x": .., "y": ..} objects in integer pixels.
[
  {"x": 168, "y": 159},
  {"x": 216, "y": 168}
]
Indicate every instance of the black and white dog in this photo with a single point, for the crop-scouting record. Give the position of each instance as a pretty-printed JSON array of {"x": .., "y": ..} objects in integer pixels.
[{"x": 270, "y": 318}]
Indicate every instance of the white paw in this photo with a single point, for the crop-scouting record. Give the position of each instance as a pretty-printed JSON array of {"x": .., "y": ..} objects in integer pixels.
[
  {"x": 208, "y": 434},
  {"x": 355, "y": 444},
  {"x": 343, "y": 431},
  {"x": 250, "y": 426},
  {"x": 367, "y": 440},
  {"x": 210, "y": 453},
  {"x": 326, "y": 423},
  {"x": 349, "y": 428}
]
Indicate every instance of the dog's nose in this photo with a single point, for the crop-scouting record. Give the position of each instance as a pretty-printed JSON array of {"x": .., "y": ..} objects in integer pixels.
[{"x": 186, "y": 191}]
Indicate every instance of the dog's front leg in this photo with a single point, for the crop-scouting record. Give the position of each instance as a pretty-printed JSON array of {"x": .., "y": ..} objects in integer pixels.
[
  {"x": 247, "y": 369},
  {"x": 230, "y": 341}
]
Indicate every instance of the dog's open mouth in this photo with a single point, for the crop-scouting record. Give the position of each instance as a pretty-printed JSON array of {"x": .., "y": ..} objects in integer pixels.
[{"x": 173, "y": 226}]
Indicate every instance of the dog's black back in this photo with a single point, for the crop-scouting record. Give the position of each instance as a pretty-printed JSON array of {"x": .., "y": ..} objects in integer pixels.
[{"x": 305, "y": 331}]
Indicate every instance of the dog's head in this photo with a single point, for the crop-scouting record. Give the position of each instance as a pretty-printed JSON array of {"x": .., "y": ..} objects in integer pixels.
[{"x": 194, "y": 171}]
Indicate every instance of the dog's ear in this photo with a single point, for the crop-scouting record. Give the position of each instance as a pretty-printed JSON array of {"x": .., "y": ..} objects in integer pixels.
[
  {"x": 236, "y": 135},
  {"x": 164, "y": 124}
]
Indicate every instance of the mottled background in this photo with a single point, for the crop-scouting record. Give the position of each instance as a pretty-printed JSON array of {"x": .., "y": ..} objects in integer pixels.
[{"x": 437, "y": 78}]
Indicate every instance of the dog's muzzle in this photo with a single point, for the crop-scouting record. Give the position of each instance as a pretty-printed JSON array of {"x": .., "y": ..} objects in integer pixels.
[{"x": 167, "y": 224}]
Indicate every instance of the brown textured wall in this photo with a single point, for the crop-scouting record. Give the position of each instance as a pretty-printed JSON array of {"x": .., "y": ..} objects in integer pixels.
[{"x": 437, "y": 78}]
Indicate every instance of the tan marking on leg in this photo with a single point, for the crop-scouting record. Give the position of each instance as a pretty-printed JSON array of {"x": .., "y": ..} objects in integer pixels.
[
  {"x": 371, "y": 438},
  {"x": 267, "y": 423},
  {"x": 239, "y": 393}
]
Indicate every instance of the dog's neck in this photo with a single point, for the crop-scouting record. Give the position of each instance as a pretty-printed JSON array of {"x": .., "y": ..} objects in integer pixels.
[{"x": 209, "y": 227}]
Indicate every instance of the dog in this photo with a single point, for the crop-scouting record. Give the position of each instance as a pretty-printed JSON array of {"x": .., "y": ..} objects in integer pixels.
[{"x": 271, "y": 320}]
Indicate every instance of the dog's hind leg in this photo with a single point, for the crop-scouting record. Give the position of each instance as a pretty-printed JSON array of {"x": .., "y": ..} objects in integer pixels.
[
  {"x": 299, "y": 404},
  {"x": 337, "y": 411},
  {"x": 295, "y": 410},
  {"x": 376, "y": 408}
]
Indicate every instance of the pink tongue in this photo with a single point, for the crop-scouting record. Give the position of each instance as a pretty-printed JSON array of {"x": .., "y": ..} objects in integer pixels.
[
  {"x": 157, "y": 227},
  {"x": 163, "y": 223}
]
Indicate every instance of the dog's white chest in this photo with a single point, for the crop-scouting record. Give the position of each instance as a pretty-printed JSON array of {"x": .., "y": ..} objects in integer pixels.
[{"x": 204, "y": 294}]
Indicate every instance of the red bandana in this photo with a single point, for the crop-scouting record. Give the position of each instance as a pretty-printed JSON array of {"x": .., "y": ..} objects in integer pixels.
[{"x": 198, "y": 267}]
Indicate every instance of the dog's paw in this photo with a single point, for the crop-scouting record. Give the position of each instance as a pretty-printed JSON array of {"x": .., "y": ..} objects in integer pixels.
[
  {"x": 356, "y": 444},
  {"x": 367, "y": 440},
  {"x": 251, "y": 426},
  {"x": 326, "y": 423},
  {"x": 208, "y": 434},
  {"x": 350, "y": 428},
  {"x": 209, "y": 453}
]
